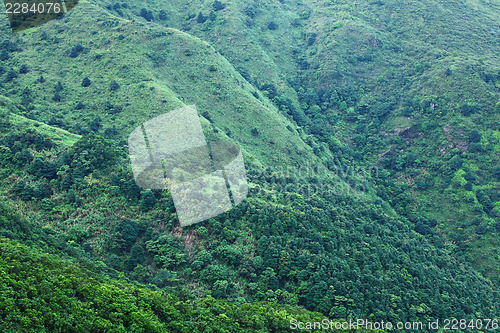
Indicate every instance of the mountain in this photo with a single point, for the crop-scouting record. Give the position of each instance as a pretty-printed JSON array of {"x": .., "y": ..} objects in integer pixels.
[{"x": 369, "y": 131}]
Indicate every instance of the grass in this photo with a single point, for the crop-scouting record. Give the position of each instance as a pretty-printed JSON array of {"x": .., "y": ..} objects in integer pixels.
[{"x": 56, "y": 134}]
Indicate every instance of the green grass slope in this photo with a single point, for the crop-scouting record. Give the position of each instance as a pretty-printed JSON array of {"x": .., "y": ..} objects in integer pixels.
[{"x": 140, "y": 57}]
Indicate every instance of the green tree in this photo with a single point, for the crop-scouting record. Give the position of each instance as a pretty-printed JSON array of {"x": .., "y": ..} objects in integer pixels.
[
  {"x": 147, "y": 200},
  {"x": 114, "y": 85},
  {"x": 201, "y": 18},
  {"x": 217, "y": 5},
  {"x": 162, "y": 15},
  {"x": 136, "y": 257},
  {"x": 4, "y": 55},
  {"x": 24, "y": 69},
  {"x": 86, "y": 82},
  {"x": 99, "y": 152}
]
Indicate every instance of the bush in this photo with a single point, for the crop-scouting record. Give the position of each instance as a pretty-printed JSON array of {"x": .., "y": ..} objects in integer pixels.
[
  {"x": 76, "y": 50},
  {"x": 474, "y": 136},
  {"x": 162, "y": 15},
  {"x": 250, "y": 11},
  {"x": 126, "y": 234},
  {"x": 4, "y": 55},
  {"x": 496, "y": 173},
  {"x": 469, "y": 108},
  {"x": 86, "y": 82},
  {"x": 57, "y": 97},
  {"x": 23, "y": 69},
  {"x": 59, "y": 87},
  {"x": 79, "y": 105},
  {"x": 147, "y": 14},
  {"x": 23, "y": 157},
  {"x": 147, "y": 200},
  {"x": 95, "y": 124},
  {"x": 11, "y": 75},
  {"x": 423, "y": 229},
  {"x": 136, "y": 257},
  {"x": 202, "y": 232},
  {"x": 201, "y": 18},
  {"x": 114, "y": 85},
  {"x": 217, "y": 5},
  {"x": 272, "y": 25},
  {"x": 47, "y": 204},
  {"x": 99, "y": 151}
]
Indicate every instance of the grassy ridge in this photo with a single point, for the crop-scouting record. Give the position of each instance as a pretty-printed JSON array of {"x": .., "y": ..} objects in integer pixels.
[{"x": 140, "y": 57}]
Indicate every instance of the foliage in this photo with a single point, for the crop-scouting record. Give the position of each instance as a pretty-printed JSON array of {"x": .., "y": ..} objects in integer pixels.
[
  {"x": 331, "y": 85},
  {"x": 44, "y": 293}
]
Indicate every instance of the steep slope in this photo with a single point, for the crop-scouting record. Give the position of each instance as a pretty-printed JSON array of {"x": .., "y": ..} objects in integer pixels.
[
  {"x": 43, "y": 293},
  {"x": 304, "y": 239},
  {"x": 332, "y": 251},
  {"x": 409, "y": 86},
  {"x": 139, "y": 57}
]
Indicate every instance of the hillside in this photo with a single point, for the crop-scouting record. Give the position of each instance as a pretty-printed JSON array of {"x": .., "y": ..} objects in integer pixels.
[
  {"x": 412, "y": 88},
  {"x": 43, "y": 293},
  {"x": 386, "y": 114}
]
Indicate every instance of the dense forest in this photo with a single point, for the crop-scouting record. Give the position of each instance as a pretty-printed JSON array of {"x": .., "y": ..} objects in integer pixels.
[{"x": 371, "y": 139}]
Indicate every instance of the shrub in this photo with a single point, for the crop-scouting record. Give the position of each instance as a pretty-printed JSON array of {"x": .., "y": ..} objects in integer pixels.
[
  {"x": 203, "y": 232},
  {"x": 423, "y": 229},
  {"x": 76, "y": 50},
  {"x": 201, "y": 18},
  {"x": 136, "y": 257},
  {"x": 474, "y": 136},
  {"x": 114, "y": 85},
  {"x": 147, "y": 200},
  {"x": 496, "y": 173},
  {"x": 59, "y": 87},
  {"x": 11, "y": 75},
  {"x": 79, "y": 105},
  {"x": 23, "y": 69},
  {"x": 468, "y": 186},
  {"x": 468, "y": 109},
  {"x": 100, "y": 152},
  {"x": 272, "y": 25},
  {"x": 250, "y": 11},
  {"x": 217, "y": 5},
  {"x": 4, "y": 55},
  {"x": 95, "y": 124},
  {"x": 86, "y": 82},
  {"x": 147, "y": 14},
  {"x": 57, "y": 97},
  {"x": 162, "y": 15}
]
